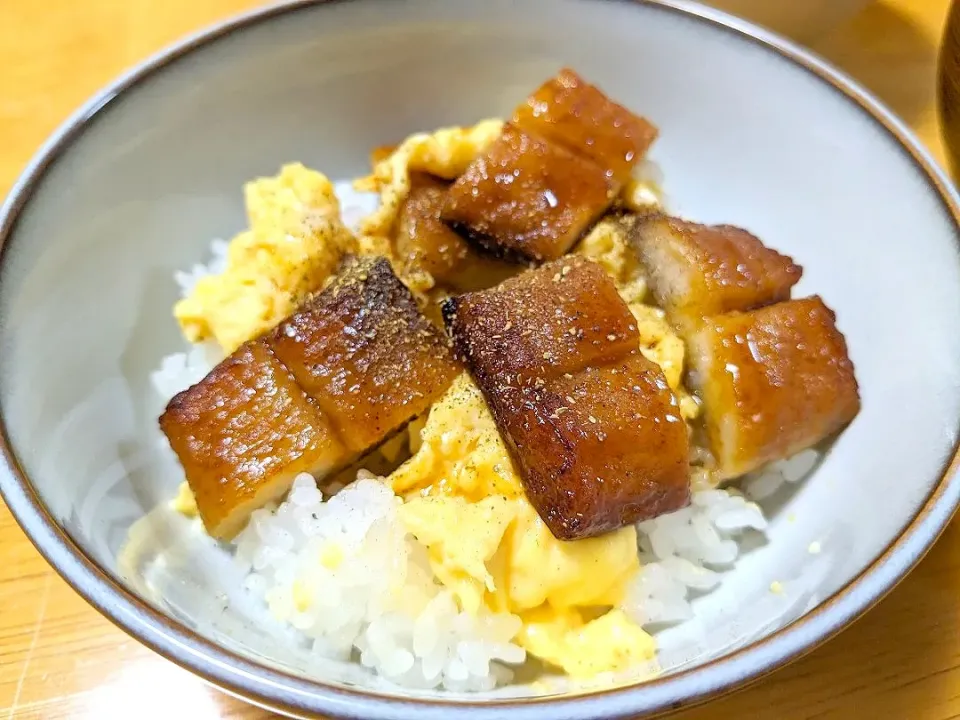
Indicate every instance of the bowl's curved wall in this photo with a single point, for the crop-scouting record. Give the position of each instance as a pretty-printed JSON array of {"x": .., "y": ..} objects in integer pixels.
[{"x": 748, "y": 137}]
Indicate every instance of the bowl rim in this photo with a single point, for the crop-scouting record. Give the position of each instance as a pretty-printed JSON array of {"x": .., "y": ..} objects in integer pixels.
[{"x": 297, "y": 696}]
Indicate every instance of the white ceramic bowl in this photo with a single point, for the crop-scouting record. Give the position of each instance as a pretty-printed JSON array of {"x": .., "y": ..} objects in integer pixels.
[
  {"x": 754, "y": 132},
  {"x": 802, "y": 20}
]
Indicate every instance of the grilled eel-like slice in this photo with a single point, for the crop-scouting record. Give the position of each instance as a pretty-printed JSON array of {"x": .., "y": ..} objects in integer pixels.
[
  {"x": 696, "y": 271},
  {"x": 592, "y": 425},
  {"x": 349, "y": 368},
  {"x": 527, "y": 198},
  {"x": 571, "y": 112},
  {"x": 559, "y": 164},
  {"x": 774, "y": 381},
  {"x": 424, "y": 242}
]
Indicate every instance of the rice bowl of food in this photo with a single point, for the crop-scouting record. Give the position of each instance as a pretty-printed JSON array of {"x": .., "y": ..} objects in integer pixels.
[{"x": 585, "y": 393}]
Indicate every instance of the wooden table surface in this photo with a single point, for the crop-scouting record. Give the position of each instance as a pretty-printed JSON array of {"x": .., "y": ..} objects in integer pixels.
[{"x": 61, "y": 659}]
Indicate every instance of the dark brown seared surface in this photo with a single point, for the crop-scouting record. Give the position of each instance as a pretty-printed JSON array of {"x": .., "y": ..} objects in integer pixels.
[
  {"x": 774, "y": 381},
  {"x": 570, "y": 111},
  {"x": 527, "y": 197},
  {"x": 598, "y": 449},
  {"x": 243, "y": 433},
  {"x": 364, "y": 352},
  {"x": 424, "y": 242},
  {"x": 559, "y": 318},
  {"x": 700, "y": 270},
  {"x": 592, "y": 424}
]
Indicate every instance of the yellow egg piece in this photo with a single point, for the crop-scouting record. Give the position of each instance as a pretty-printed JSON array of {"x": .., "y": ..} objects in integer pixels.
[
  {"x": 460, "y": 537},
  {"x": 458, "y": 450},
  {"x": 659, "y": 343},
  {"x": 185, "y": 503},
  {"x": 641, "y": 195},
  {"x": 581, "y": 573},
  {"x": 609, "y": 643},
  {"x": 607, "y": 245},
  {"x": 294, "y": 243}
]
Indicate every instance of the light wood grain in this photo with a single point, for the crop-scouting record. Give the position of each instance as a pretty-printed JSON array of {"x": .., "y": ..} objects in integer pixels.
[{"x": 60, "y": 659}]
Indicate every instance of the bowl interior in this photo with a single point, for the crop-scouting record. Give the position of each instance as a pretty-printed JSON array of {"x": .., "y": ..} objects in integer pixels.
[{"x": 747, "y": 137}]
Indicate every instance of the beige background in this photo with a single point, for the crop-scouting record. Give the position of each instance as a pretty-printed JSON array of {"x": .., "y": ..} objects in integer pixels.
[{"x": 60, "y": 659}]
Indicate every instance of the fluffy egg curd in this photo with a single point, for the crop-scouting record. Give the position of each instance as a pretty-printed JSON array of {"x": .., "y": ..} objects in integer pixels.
[
  {"x": 462, "y": 497},
  {"x": 295, "y": 241}
]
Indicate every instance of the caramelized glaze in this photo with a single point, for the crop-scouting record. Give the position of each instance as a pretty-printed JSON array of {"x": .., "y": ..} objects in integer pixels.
[
  {"x": 424, "y": 242},
  {"x": 592, "y": 424},
  {"x": 773, "y": 381},
  {"x": 526, "y": 197},
  {"x": 243, "y": 433},
  {"x": 700, "y": 270},
  {"x": 571, "y": 112},
  {"x": 598, "y": 449},
  {"x": 563, "y": 317},
  {"x": 365, "y": 353}
]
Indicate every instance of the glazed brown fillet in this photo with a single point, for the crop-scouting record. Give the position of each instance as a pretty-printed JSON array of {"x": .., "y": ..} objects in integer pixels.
[
  {"x": 540, "y": 325},
  {"x": 696, "y": 271},
  {"x": 571, "y": 112},
  {"x": 424, "y": 242},
  {"x": 364, "y": 352},
  {"x": 243, "y": 433},
  {"x": 527, "y": 198},
  {"x": 592, "y": 424},
  {"x": 773, "y": 381},
  {"x": 350, "y": 367},
  {"x": 558, "y": 165}
]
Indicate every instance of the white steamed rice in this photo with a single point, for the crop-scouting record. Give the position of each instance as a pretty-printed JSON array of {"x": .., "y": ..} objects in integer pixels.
[
  {"x": 380, "y": 602},
  {"x": 377, "y": 599}
]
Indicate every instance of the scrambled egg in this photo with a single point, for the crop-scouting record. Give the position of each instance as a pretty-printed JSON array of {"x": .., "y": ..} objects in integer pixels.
[
  {"x": 185, "y": 503},
  {"x": 486, "y": 543},
  {"x": 611, "y": 642},
  {"x": 660, "y": 344},
  {"x": 295, "y": 241},
  {"x": 641, "y": 195},
  {"x": 607, "y": 245}
]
